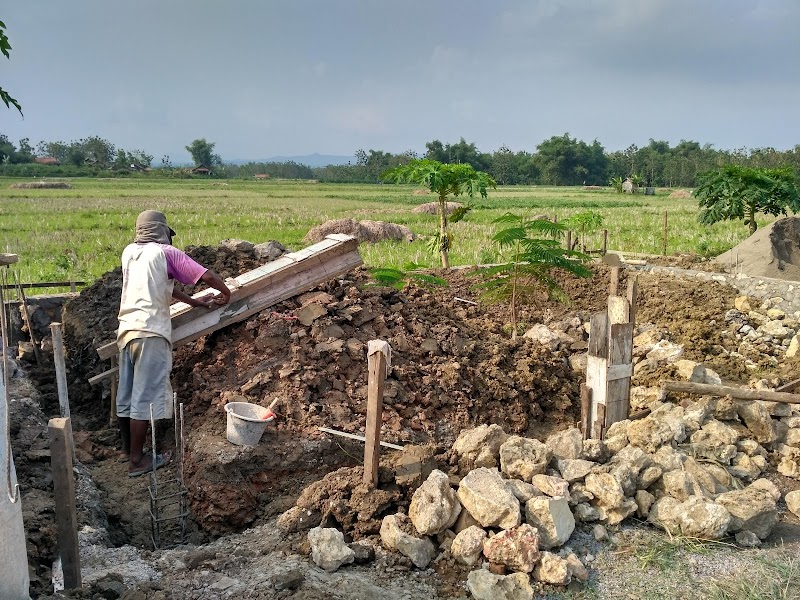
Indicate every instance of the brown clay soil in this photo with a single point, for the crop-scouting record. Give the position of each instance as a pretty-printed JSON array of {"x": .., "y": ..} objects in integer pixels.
[{"x": 454, "y": 365}]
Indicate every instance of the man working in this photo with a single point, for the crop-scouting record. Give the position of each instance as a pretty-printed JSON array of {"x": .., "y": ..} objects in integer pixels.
[{"x": 150, "y": 267}]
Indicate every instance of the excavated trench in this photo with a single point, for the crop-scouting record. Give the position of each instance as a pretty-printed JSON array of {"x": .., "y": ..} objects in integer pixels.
[{"x": 453, "y": 366}]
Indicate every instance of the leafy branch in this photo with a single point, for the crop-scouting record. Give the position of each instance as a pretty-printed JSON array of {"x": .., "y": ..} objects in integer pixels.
[{"x": 5, "y": 46}]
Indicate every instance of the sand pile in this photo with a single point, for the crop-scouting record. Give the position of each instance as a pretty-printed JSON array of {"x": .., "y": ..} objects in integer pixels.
[
  {"x": 772, "y": 251},
  {"x": 681, "y": 194}
]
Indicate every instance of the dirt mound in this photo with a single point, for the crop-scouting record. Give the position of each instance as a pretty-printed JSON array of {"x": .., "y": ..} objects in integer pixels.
[
  {"x": 420, "y": 192},
  {"x": 432, "y": 208},
  {"x": 772, "y": 251},
  {"x": 681, "y": 194},
  {"x": 364, "y": 231},
  {"x": 41, "y": 185}
]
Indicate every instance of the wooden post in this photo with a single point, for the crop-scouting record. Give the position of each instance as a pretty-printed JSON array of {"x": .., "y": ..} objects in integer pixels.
[
  {"x": 569, "y": 240},
  {"x": 664, "y": 241},
  {"x": 61, "y": 444},
  {"x": 614, "y": 286},
  {"x": 61, "y": 369},
  {"x": 377, "y": 361},
  {"x": 633, "y": 296},
  {"x": 586, "y": 410},
  {"x": 605, "y": 241}
]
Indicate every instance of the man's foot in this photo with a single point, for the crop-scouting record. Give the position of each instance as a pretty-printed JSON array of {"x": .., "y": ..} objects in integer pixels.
[{"x": 147, "y": 464}]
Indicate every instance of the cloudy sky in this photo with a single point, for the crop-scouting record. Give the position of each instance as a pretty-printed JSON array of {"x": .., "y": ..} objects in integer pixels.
[{"x": 263, "y": 77}]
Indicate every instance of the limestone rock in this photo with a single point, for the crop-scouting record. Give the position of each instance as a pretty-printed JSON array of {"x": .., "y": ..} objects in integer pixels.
[
  {"x": 553, "y": 569},
  {"x": 551, "y": 486},
  {"x": 701, "y": 518},
  {"x": 484, "y": 585},
  {"x": 566, "y": 444},
  {"x": 644, "y": 500},
  {"x": 522, "y": 458},
  {"x": 484, "y": 493},
  {"x": 328, "y": 549},
  {"x": 793, "y": 502},
  {"x": 606, "y": 489},
  {"x": 479, "y": 447},
  {"x": 663, "y": 514},
  {"x": 649, "y": 433},
  {"x": 393, "y": 537},
  {"x": 468, "y": 545},
  {"x": 574, "y": 469},
  {"x": 758, "y": 420},
  {"x": 522, "y": 490},
  {"x": 752, "y": 509},
  {"x": 516, "y": 548},
  {"x": 434, "y": 505},
  {"x": 553, "y": 518}
]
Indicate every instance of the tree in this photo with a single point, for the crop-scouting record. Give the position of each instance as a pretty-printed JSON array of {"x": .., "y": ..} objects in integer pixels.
[
  {"x": 736, "y": 192},
  {"x": 203, "y": 153},
  {"x": 529, "y": 270},
  {"x": 443, "y": 180},
  {"x": 4, "y": 48}
]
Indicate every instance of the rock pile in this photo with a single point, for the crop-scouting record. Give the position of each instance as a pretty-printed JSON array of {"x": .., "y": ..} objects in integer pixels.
[{"x": 508, "y": 504}]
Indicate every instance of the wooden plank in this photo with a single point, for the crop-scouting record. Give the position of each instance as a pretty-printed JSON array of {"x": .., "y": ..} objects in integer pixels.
[
  {"x": 377, "y": 374},
  {"x": 586, "y": 410},
  {"x": 103, "y": 376},
  {"x": 323, "y": 260},
  {"x": 598, "y": 429},
  {"x": 61, "y": 369},
  {"x": 788, "y": 387},
  {"x": 618, "y": 392},
  {"x": 596, "y": 372},
  {"x": 618, "y": 310},
  {"x": 633, "y": 297},
  {"x": 60, "y": 432},
  {"x": 46, "y": 284},
  {"x": 619, "y": 372},
  {"x": 734, "y": 392},
  {"x": 598, "y": 335}
]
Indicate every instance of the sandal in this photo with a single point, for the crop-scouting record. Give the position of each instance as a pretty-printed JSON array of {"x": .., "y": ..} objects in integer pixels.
[{"x": 159, "y": 461}]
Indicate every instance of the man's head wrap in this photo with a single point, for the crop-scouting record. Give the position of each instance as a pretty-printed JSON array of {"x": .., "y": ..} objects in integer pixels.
[{"x": 151, "y": 226}]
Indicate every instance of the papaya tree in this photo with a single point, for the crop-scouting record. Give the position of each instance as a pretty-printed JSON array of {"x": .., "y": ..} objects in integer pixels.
[
  {"x": 736, "y": 192},
  {"x": 533, "y": 254},
  {"x": 444, "y": 180}
]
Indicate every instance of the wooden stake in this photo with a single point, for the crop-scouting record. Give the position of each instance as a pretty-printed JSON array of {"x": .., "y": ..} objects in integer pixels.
[
  {"x": 614, "y": 286},
  {"x": 569, "y": 240},
  {"x": 377, "y": 374},
  {"x": 633, "y": 295},
  {"x": 664, "y": 241},
  {"x": 61, "y": 444},
  {"x": 586, "y": 409},
  {"x": 61, "y": 369},
  {"x": 605, "y": 241}
]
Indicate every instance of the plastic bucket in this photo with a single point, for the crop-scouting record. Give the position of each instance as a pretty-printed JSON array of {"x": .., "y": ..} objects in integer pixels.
[{"x": 246, "y": 423}]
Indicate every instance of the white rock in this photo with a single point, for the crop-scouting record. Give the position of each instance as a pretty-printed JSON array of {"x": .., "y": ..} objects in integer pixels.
[
  {"x": 484, "y": 493},
  {"x": 484, "y": 585},
  {"x": 479, "y": 447},
  {"x": 467, "y": 546},
  {"x": 701, "y": 518},
  {"x": 420, "y": 551},
  {"x": 566, "y": 444},
  {"x": 793, "y": 502},
  {"x": 522, "y": 458},
  {"x": 553, "y": 518},
  {"x": 434, "y": 505},
  {"x": 328, "y": 549},
  {"x": 552, "y": 569}
]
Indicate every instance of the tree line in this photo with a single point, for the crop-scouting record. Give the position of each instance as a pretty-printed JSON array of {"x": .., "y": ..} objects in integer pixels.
[{"x": 559, "y": 161}]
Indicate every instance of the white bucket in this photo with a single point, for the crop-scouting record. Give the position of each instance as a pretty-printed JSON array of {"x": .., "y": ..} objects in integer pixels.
[{"x": 246, "y": 423}]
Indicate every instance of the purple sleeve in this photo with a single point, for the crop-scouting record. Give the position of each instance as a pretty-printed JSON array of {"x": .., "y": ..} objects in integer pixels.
[{"x": 182, "y": 268}]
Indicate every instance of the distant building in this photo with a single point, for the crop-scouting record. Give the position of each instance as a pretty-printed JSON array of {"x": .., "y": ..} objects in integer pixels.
[
  {"x": 201, "y": 170},
  {"x": 628, "y": 187},
  {"x": 46, "y": 160},
  {"x": 261, "y": 176}
]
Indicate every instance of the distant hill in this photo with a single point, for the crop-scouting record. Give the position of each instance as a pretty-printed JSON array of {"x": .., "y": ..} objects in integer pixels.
[{"x": 310, "y": 160}]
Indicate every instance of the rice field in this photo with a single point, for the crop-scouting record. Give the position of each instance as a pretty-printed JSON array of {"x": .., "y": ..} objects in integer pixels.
[{"x": 79, "y": 233}]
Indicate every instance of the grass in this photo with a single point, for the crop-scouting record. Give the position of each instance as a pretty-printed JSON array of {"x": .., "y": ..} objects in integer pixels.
[
  {"x": 79, "y": 233},
  {"x": 767, "y": 579}
]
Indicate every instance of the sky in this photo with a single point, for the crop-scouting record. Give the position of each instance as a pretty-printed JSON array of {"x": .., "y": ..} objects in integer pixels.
[{"x": 260, "y": 78}]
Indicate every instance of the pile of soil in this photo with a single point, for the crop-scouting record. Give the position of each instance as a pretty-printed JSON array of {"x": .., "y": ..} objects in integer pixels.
[
  {"x": 41, "y": 185},
  {"x": 681, "y": 194},
  {"x": 453, "y": 366},
  {"x": 772, "y": 251},
  {"x": 432, "y": 208},
  {"x": 363, "y": 231}
]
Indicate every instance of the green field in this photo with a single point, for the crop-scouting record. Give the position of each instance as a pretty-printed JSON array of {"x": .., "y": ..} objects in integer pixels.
[{"x": 79, "y": 233}]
